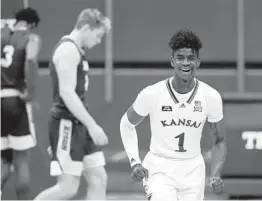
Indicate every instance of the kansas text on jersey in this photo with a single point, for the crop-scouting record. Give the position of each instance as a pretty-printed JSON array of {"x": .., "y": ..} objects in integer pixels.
[{"x": 177, "y": 120}]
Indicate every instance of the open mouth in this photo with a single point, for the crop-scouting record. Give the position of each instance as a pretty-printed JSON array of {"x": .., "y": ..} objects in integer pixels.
[{"x": 185, "y": 70}]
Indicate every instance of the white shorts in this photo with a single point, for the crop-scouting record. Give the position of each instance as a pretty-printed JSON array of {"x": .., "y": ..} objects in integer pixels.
[
  {"x": 174, "y": 179},
  {"x": 72, "y": 147},
  {"x": 76, "y": 168}
]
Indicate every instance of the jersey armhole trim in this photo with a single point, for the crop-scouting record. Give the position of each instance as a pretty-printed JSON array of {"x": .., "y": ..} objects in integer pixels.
[{"x": 58, "y": 45}]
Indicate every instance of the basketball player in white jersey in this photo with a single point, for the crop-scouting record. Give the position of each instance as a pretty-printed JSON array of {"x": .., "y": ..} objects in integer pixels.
[{"x": 178, "y": 108}]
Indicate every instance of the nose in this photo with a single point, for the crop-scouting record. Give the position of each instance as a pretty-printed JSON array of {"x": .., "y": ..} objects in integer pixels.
[{"x": 186, "y": 62}]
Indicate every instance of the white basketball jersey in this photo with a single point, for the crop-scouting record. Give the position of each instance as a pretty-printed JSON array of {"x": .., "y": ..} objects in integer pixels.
[{"x": 177, "y": 120}]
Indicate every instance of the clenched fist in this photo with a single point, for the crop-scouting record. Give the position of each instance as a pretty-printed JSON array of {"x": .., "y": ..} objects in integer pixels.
[
  {"x": 139, "y": 172},
  {"x": 217, "y": 184}
]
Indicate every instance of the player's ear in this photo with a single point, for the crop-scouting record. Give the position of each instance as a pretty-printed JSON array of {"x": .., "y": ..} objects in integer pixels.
[
  {"x": 172, "y": 61},
  {"x": 32, "y": 25},
  {"x": 198, "y": 62},
  {"x": 85, "y": 27}
]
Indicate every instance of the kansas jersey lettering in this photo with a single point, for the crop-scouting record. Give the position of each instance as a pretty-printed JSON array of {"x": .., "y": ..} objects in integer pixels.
[{"x": 177, "y": 120}]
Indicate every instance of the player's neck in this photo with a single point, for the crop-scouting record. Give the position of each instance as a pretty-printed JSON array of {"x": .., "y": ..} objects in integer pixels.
[
  {"x": 76, "y": 37},
  {"x": 182, "y": 86}
]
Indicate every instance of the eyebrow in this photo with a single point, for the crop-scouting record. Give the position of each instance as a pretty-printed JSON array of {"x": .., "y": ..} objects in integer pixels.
[{"x": 181, "y": 55}]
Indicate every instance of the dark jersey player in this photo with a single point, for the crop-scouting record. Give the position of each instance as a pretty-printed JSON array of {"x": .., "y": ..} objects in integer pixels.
[
  {"x": 75, "y": 137},
  {"x": 19, "y": 51}
]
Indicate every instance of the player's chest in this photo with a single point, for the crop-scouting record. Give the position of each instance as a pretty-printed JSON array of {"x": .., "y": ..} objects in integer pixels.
[
  {"x": 82, "y": 74},
  {"x": 184, "y": 112}
]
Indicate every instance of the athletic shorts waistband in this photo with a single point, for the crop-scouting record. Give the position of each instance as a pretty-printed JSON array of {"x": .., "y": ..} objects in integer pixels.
[{"x": 5, "y": 93}]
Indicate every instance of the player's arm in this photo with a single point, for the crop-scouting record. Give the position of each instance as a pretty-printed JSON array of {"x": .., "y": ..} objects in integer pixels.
[
  {"x": 217, "y": 131},
  {"x": 133, "y": 117},
  {"x": 5, "y": 31},
  {"x": 31, "y": 66},
  {"x": 219, "y": 150},
  {"x": 66, "y": 60}
]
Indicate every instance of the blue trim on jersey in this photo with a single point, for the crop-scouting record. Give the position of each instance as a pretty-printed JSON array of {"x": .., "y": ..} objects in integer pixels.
[
  {"x": 192, "y": 96},
  {"x": 169, "y": 88}
]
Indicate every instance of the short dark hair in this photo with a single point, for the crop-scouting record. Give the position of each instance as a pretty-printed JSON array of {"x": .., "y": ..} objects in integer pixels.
[
  {"x": 185, "y": 38},
  {"x": 29, "y": 15}
]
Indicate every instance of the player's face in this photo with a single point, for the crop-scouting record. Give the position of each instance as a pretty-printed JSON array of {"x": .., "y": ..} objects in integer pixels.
[
  {"x": 93, "y": 37},
  {"x": 185, "y": 62}
]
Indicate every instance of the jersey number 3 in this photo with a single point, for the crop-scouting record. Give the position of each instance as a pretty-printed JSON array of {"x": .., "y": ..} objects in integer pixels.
[
  {"x": 181, "y": 139},
  {"x": 8, "y": 56}
]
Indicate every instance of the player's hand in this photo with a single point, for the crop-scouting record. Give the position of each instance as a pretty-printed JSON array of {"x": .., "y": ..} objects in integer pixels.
[
  {"x": 49, "y": 151},
  {"x": 217, "y": 184},
  {"x": 29, "y": 99},
  {"x": 25, "y": 96},
  {"x": 98, "y": 135},
  {"x": 139, "y": 172}
]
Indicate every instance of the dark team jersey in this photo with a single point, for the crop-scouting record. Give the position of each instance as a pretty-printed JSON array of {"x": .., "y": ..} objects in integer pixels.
[
  {"x": 13, "y": 55},
  {"x": 59, "y": 108}
]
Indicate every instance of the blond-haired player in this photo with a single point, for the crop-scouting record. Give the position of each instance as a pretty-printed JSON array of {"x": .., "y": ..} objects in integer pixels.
[{"x": 75, "y": 137}]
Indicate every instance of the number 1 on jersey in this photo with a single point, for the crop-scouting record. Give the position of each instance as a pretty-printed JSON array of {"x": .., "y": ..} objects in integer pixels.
[{"x": 181, "y": 139}]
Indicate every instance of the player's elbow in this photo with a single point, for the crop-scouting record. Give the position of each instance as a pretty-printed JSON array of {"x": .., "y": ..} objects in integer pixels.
[
  {"x": 125, "y": 124},
  {"x": 31, "y": 59},
  {"x": 31, "y": 66},
  {"x": 65, "y": 93}
]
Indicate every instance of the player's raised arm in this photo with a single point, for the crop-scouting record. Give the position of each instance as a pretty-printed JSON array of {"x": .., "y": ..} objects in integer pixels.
[
  {"x": 217, "y": 127},
  {"x": 133, "y": 117},
  {"x": 31, "y": 66},
  {"x": 66, "y": 60}
]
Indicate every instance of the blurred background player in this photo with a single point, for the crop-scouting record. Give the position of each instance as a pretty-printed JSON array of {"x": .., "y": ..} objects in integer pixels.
[
  {"x": 75, "y": 137},
  {"x": 19, "y": 51},
  {"x": 178, "y": 107}
]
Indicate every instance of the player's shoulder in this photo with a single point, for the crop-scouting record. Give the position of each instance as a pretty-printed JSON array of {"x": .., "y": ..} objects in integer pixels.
[
  {"x": 5, "y": 34},
  {"x": 155, "y": 88},
  {"x": 208, "y": 90},
  {"x": 67, "y": 46},
  {"x": 5, "y": 31},
  {"x": 66, "y": 49},
  {"x": 34, "y": 37}
]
